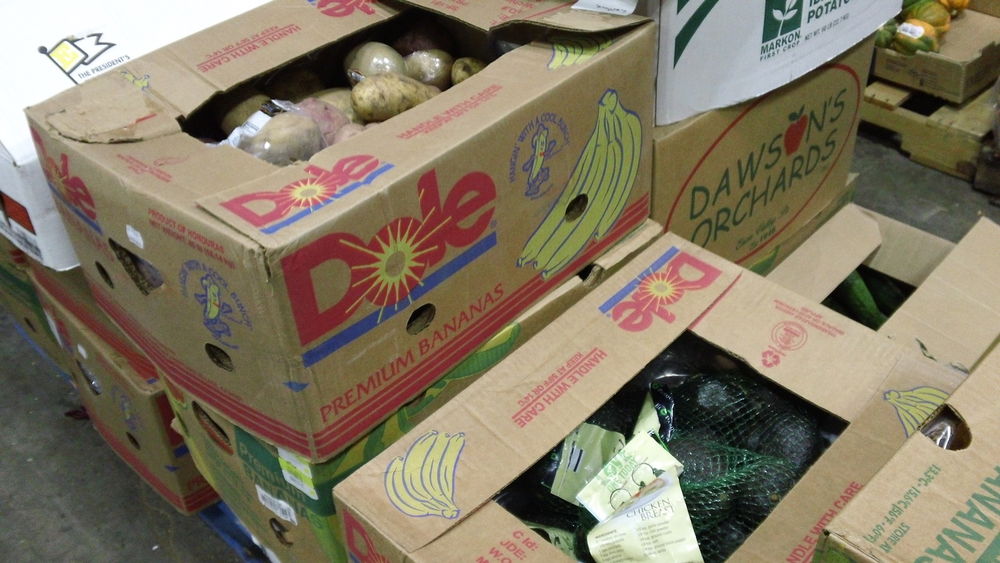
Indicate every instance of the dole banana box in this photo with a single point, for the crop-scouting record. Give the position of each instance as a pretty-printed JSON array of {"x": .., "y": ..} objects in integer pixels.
[
  {"x": 50, "y": 47},
  {"x": 284, "y": 500},
  {"x": 19, "y": 298},
  {"x": 506, "y": 420},
  {"x": 953, "y": 312},
  {"x": 749, "y": 181},
  {"x": 310, "y": 301},
  {"x": 122, "y": 393},
  {"x": 938, "y": 498}
]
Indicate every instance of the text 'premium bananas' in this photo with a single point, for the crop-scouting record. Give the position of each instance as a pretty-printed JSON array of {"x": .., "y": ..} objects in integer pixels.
[
  {"x": 422, "y": 482},
  {"x": 596, "y": 193}
]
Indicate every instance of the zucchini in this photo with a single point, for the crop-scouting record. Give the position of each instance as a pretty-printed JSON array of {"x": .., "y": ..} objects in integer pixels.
[{"x": 859, "y": 302}]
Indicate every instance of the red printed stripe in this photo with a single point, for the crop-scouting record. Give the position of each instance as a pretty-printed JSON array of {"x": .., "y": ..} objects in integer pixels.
[
  {"x": 342, "y": 432},
  {"x": 345, "y": 430},
  {"x": 196, "y": 384},
  {"x": 147, "y": 475},
  {"x": 139, "y": 363}
]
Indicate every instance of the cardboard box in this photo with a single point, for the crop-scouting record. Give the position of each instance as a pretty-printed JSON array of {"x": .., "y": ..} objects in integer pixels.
[
  {"x": 20, "y": 299},
  {"x": 123, "y": 394},
  {"x": 51, "y": 46},
  {"x": 967, "y": 64},
  {"x": 746, "y": 181},
  {"x": 953, "y": 315},
  {"x": 528, "y": 403},
  {"x": 307, "y": 320},
  {"x": 262, "y": 483},
  {"x": 717, "y": 54},
  {"x": 931, "y": 503}
]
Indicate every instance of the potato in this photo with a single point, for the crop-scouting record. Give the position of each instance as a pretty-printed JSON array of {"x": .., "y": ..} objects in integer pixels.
[
  {"x": 432, "y": 66},
  {"x": 339, "y": 98},
  {"x": 371, "y": 58},
  {"x": 286, "y": 138},
  {"x": 464, "y": 67},
  {"x": 329, "y": 119},
  {"x": 382, "y": 96},
  {"x": 233, "y": 108},
  {"x": 293, "y": 84},
  {"x": 348, "y": 131},
  {"x": 425, "y": 34}
]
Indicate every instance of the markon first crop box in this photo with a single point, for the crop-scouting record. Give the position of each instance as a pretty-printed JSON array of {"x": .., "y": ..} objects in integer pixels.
[
  {"x": 123, "y": 394},
  {"x": 309, "y": 301},
  {"x": 938, "y": 498},
  {"x": 510, "y": 420},
  {"x": 749, "y": 182},
  {"x": 51, "y": 46},
  {"x": 717, "y": 54}
]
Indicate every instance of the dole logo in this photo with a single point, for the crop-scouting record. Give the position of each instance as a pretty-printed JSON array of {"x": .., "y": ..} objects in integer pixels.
[
  {"x": 71, "y": 190},
  {"x": 649, "y": 295},
  {"x": 343, "y": 8},
  {"x": 384, "y": 269},
  {"x": 360, "y": 546},
  {"x": 271, "y": 211}
]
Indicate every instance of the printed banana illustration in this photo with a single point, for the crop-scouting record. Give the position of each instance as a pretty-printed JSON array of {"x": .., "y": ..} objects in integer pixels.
[
  {"x": 596, "y": 193},
  {"x": 568, "y": 51},
  {"x": 915, "y": 405},
  {"x": 422, "y": 482}
]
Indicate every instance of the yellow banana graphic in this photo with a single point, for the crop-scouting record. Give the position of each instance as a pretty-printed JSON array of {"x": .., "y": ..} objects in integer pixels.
[
  {"x": 915, "y": 406},
  {"x": 568, "y": 51},
  {"x": 596, "y": 193},
  {"x": 422, "y": 482}
]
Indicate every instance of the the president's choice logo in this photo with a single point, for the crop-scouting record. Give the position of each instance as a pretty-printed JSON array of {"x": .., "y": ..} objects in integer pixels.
[{"x": 80, "y": 58}]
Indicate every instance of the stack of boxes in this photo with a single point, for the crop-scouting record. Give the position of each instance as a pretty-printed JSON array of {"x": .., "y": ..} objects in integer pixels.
[{"x": 277, "y": 336}]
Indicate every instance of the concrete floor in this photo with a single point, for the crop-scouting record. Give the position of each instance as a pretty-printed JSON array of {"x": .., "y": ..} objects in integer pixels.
[{"x": 65, "y": 496}]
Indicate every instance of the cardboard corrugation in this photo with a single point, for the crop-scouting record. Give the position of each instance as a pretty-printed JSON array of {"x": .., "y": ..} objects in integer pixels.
[{"x": 240, "y": 289}]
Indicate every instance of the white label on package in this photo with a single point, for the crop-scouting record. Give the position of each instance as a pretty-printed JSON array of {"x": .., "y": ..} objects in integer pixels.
[
  {"x": 297, "y": 472},
  {"x": 54, "y": 329},
  {"x": 616, "y": 7},
  {"x": 911, "y": 30},
  {"x": 82, "y": 351},
  {"x": 135, "y": 236},
  {"x": 281, "y": 508}
]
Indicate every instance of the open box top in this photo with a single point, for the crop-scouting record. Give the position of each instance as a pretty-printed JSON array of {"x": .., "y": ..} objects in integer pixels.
[
  {"x": 534, "y": 398},
  {"x": 936, "y": 499},
  {"x": 954, "y": 313}
]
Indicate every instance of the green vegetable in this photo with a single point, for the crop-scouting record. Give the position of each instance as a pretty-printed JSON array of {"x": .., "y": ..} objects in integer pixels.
[
  {"x": 888, "y": 293},
  {"x": 857, "y": 299}
]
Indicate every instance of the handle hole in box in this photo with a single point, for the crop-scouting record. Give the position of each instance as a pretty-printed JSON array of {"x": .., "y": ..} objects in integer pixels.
[
  {"x": 421, "y": 318},
  {"x": 143, "y": 274},
  {"x": 212, "y": 428},
  {"x": 219, "y": 357},
  {"x": 576, "y": 207},
  {"x": 103, "y": 272},
  {"x": 948, "y": 430},
  {"x": 93, "y": 383},
  {"x": 133, "y": 441}
]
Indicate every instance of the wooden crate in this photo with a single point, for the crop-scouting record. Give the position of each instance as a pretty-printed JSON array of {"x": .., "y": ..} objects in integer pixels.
[{"x": 943, "y": 136}]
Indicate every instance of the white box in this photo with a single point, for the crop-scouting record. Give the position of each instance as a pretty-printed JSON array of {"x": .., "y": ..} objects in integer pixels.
[
  {"x": 717, "y": 53},
  {"x": 50, "y": 47}
]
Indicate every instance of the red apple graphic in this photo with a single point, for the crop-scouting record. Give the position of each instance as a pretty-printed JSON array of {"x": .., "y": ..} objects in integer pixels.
[{"x": 795, "y": 131}]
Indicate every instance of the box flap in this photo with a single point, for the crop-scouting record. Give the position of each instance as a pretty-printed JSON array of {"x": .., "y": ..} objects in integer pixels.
[
  {"x": 51, "y": 46},
  {"x": 543, "y": 390},
  {"x": 954, "y": 315},
  {"x": 777, "y": 333},
  {"x": 557, "y": 14},
  {"x": 907, "y": 253},
  {"x": 815, "y": 268}
]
